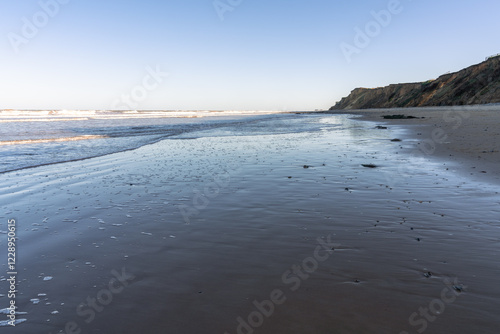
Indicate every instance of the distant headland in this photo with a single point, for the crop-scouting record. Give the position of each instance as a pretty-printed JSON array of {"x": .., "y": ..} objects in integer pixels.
[{"x": 477, "y": 84}]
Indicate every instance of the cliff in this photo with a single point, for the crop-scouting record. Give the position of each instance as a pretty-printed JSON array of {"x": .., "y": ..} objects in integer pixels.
[{"x": 478, "y": 84}]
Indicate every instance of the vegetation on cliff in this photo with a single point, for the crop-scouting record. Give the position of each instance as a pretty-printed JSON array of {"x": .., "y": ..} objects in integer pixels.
[{"x": 478, "y": 84}]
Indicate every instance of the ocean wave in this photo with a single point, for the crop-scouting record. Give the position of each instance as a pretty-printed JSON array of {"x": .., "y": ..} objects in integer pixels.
[
  {"x": 49, "y": 140},
  {"x": 42, "y": 120},
  {"x": 13, "y": 112},
  {"x": 41, "y": 117},
  {"x": 127, "y": 113}
]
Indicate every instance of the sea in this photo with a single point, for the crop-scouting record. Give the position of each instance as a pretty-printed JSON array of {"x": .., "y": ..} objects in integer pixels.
[{"x": 30, "y": 138}]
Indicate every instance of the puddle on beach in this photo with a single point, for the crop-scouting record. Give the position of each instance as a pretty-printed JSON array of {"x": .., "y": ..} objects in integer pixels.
[{"x": 212, "y": 227}]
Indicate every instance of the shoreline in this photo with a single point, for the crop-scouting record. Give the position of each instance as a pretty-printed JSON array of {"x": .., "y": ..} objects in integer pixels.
[
  {"x": 38, "y": 149},
  {"x": 465, "y": 138}
]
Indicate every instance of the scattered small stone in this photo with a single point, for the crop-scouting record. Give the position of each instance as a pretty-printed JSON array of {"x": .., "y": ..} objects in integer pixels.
[
  {"x": 428, "y": 274},
  {"x": 306, "y": 166},
  {"x": 458, "y": 288}
]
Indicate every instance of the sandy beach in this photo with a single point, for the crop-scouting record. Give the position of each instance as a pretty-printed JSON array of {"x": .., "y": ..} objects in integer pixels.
[
  {"x": 467, "y": 137},
  {"x": 274, "y": 226}
]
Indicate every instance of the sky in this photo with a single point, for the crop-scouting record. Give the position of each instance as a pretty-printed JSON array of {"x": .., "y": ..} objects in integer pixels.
[{"x": 230, "y": 54}]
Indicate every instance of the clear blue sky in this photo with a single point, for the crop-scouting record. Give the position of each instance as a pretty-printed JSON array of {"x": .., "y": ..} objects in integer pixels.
[{"x": 264, "y": 55}]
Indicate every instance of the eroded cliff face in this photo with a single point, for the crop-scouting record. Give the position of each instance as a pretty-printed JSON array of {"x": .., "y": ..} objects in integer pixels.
[{"x": 478, "y": 84}]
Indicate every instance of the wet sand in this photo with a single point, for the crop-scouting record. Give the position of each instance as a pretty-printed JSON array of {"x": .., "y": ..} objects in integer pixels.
[
  {"x": 239, "y": 232},
  {"x": 467, "y": 137}
]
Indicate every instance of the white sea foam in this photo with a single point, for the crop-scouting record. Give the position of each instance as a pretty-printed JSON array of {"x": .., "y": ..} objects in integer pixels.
[
  {"x": 7, "y": 311},
  {"x": 49, "y": 140},
  {"x": 5, "y": 323},
  {"x": 71, "y": 114}
]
